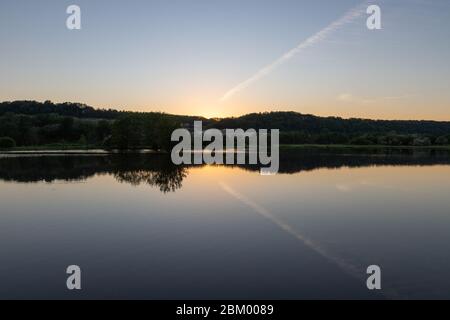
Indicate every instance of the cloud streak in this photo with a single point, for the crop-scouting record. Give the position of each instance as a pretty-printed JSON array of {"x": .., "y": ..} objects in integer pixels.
[
  {"x": 350, "y": 98},
  {"x": 350, "y": 16}
]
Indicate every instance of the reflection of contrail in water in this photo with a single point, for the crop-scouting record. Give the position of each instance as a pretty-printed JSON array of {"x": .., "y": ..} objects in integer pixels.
[
  {"x": 266, "y": 214},
  {"x": 347, "y": 267},
  {"x": 314, "y": 39}
]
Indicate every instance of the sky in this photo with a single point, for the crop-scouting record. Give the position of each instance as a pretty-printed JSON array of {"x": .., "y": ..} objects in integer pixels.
[{"x": 219, "y": 58}]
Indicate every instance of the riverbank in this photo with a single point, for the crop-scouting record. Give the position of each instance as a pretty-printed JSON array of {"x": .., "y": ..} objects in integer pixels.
[
  {"x": 80, "y": 150},
  {"x": 72, "y": 150},
  {"x": 360, "y": 147}
]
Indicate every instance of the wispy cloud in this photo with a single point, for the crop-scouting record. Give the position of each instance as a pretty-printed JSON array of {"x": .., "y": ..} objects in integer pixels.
[
  {"x": 343, "y": 187},
  {"x": 345, "y": 97},
  {"x": 323, "y": 34},
  {"x": 350, "y": 98}
]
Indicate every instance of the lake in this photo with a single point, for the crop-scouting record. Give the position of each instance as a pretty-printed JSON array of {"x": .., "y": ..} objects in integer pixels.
[{"x": 140, "y": 227}]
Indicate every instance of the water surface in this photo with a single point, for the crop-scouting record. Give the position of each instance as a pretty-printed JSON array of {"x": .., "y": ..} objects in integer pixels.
[{"x": 140, "y": 227}]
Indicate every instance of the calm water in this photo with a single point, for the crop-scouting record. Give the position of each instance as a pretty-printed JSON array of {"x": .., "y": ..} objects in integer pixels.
[{"x": 141, "y": 228}]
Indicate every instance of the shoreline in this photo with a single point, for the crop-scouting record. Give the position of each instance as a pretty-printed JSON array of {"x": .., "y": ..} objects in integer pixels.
[
  {"x": 360, "y": 147},
  {"x": 77, "y": 152},
  {"x": 99, "y": 151}
]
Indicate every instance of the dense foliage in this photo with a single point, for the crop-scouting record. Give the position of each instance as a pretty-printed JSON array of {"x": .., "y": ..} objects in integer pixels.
[
  {"x": 30, "y": 123},
  {"x": 44, "y": 129},
  {"x": 7, "y": 143},
  {"x": 67, "y": 109},
  {"x": 143, "y": 130},
  {"x": 296, "y": 128}
]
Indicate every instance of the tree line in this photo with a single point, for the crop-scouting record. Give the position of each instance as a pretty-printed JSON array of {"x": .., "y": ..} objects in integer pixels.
[
  {"x": 31, "y": 123},
  {"x": 133, "y": 130},
  {"x": 296, "y": 128},
  {"x": 47, "y": 129}
]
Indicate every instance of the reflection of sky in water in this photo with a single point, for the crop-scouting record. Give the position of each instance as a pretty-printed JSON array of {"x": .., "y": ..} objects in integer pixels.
[{"x": 204, "y": 241}]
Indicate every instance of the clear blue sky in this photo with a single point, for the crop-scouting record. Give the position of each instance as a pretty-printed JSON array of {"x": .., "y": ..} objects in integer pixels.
[{"x": 183, "y": 56}]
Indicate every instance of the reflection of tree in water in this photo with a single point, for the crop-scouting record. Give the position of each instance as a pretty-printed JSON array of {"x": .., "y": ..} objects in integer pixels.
[
  {"x": 167, "y": 180},
  {"x": 155, "y": 170},
  {"x": 307, "y": 159}
]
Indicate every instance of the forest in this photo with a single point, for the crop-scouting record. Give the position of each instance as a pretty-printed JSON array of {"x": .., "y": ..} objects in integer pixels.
[{"x": 31, "y": 124}]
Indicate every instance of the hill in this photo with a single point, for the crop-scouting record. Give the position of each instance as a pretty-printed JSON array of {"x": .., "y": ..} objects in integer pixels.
[
  {"x": 34, "y": 123},
  {"x": 293, "y": 121},
  {"x": 297, "y": 128}
]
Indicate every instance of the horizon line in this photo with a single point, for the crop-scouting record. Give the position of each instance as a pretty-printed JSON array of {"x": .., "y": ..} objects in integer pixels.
[{"x": 229, "y": 116}]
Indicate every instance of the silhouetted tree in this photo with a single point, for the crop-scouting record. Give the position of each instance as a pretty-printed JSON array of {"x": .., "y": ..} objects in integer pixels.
[{"x": 7, "y": 143}]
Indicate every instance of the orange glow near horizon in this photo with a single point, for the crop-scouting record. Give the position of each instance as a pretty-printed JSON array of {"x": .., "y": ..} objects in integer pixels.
[{"x": 209, "y": 106}]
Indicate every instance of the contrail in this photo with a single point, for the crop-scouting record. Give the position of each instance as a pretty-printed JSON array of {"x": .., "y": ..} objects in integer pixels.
[
  {"x": 350, "y": 16},
  {"x": 345, "y": 266}
]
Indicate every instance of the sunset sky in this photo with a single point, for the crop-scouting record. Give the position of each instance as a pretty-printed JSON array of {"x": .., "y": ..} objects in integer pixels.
[{"x": 197, "y": 56}]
